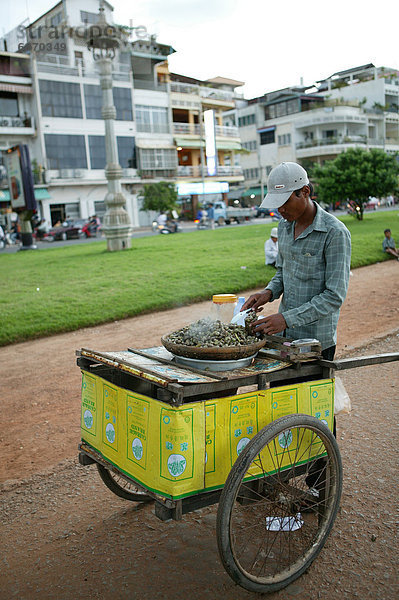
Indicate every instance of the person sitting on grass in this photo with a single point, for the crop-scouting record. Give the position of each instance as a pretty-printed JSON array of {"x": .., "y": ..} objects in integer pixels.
[{"x": 388, "y": 245}]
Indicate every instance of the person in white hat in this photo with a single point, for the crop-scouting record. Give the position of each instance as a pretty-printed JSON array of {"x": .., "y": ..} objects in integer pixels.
[
  {"x": 313, "y": 263},
  {"x": 271, "y": 248}
]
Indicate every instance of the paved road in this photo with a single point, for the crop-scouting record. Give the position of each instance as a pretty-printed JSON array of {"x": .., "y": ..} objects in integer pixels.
[{"x": 186, "y": 226}]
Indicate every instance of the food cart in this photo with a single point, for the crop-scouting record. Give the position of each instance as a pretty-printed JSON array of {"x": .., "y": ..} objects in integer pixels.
[{"x": 256, "y": 438}]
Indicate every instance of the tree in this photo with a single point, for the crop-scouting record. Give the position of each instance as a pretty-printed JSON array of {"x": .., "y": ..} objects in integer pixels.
[
  {"x": 161, "y": 197},
  {"x": 355, "y": 175}
]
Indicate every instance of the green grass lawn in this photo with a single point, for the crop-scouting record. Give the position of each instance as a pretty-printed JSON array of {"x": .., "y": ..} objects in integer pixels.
[{"x": 63, "y": 289}]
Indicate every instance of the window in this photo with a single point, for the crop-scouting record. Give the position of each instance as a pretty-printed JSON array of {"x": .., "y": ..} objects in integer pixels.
[
  {"x": 123, "y": 104},
  {"x": 8, "y": 104},
  {"x": 246, "y": 120},
  {"x": 88, "y": 17},
  {"x": 251, "y": 146},
  {"x": 97, "y": 151},
  {"x": 127, "y": 152},
  {"x": 284, "y": 140},
  {"x": 251, "y": 173},
  {"x": 93, "y": 101},
  {"x": 56, "y": 20},
  {"x": 152, "y": 119},
  {"x": 60, "y": 99},
  {"x": 267, "y": 137},
  {"x": 280, "y": 109},
  {"x": 329, "y": 133},
  {"x": 65, "y": 151},
  {"x": 79, "y": 58},
  {"x": 122, "y": 101},
  {"x": 157, "y": 158}
]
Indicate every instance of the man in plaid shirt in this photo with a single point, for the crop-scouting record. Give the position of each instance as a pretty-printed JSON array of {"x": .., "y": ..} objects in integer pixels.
[{"x": 313, "y": 263}]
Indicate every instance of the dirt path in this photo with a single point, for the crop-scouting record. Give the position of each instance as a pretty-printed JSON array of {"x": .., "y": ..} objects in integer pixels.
[
  {"x": 65, "y": 536},
  {"x": 40, "y": 416}
]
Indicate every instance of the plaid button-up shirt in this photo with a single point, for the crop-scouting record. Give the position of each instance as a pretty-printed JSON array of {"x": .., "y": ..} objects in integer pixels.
[{"x": 313, "y": 276}]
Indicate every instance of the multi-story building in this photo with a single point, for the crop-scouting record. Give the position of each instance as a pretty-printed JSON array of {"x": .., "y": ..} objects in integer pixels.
[
  {"x": 354, "y": 108},
  {"x": 158, "y": 115},
  {"x": 18, "y": 124}
]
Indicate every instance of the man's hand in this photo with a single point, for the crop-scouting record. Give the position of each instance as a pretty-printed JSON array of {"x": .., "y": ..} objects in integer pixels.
[
  {"x": 256, "y": 301},
  {"x": 270, "y": 325}
]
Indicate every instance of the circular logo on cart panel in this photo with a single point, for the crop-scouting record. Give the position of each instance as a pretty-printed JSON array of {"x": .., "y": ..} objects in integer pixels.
[
  {"x": 110, "y": 433},
  {"x": 285, "y": 438},
  {"x": 315, "y": 394},
  {"x": 88, "y": 419},
  {"x": 176, "y": 464},
  {"x": 137, "y": 448},
  {"x": 166, "y": 420},
  {"x": 241, "y": 445}
]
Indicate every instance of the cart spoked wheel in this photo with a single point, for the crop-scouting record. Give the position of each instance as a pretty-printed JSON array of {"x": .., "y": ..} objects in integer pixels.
[
  {"x": 122, "y": 487},
  {"x": 279, "y": 503}
]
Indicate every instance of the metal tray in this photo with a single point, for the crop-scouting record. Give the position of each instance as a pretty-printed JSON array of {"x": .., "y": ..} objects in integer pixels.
[
  {"x": 214, "y": 365},
  {"x": 227, "y": 353}
]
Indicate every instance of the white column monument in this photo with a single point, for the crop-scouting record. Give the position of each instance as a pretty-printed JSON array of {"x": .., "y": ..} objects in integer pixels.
[{"x": 104, "y": 40}]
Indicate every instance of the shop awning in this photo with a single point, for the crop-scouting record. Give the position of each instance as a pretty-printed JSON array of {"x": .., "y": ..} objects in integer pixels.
[
  {"x": 196, "y": 143},
  {"x": 17, "y": 89},
  {"x": 265, "y": 129},
  {"x": 154, "y": 144},
  {"x": 228, "y": 145},
  {"x": 235, "y": 193},
  {"x": 40, "y": 194},
  {"x": 256, "y": 191},
  {"x": 189, "y": 142}
]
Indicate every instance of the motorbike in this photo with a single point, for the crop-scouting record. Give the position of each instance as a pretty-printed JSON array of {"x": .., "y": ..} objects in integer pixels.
[
  {"x": 203, "y": 223},
  {"x": 168, "y": 227}
]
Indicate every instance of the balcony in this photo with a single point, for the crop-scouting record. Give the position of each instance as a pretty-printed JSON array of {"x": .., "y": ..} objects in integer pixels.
[
  {"x": 17, "y": 125},
  {"x": 202, "y": 91},
  {"x": 61, "y": 67},
  {"x": 146, "y": 84},
  {"x": 333, "y": 114},
  {"x": 222, "y": 171},
  {"x": 194, "y": 129},
  {"x": 355, "y": 139},
  {"x": 186, "y": 128},
  {"x": 324, "y": 147}
]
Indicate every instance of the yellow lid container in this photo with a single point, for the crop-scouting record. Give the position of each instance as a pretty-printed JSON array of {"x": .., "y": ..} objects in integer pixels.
[{"x": 224, "y": 298}]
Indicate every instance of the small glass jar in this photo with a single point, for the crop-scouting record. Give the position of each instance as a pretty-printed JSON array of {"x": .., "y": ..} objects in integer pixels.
[{"x": 223, "y": 306}]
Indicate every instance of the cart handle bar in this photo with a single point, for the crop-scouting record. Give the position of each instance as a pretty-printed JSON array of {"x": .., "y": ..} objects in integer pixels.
[{"x": 361, "y": 361}]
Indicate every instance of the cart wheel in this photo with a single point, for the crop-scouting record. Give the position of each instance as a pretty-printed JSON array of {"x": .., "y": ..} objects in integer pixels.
[
  {"x": 271, "y": 528},
  {"x": 121, "y": 486}
]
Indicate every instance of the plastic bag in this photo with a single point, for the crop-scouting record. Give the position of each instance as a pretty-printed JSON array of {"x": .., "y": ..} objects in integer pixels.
[{"x": 342, "y": 402}]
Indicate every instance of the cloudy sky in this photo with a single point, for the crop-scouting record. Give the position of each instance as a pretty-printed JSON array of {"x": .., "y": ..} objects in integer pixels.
[{"x": 269, "y": 45}]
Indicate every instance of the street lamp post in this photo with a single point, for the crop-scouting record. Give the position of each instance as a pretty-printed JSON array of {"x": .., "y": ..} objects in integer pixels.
[{"x": 104, "y": 41}]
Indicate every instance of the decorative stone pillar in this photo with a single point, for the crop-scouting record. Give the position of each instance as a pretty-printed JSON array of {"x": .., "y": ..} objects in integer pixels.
[
  {"x": 116, "y": 222},
  {"x": 104, "y": 41}
]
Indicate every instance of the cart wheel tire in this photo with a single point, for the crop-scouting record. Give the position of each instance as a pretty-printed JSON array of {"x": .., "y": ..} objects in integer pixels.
[
  {"x": 121, "y": 486},
  {"x": 271, "y": 528}
]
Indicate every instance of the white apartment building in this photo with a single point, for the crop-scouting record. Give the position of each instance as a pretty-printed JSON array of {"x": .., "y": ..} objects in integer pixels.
[
  {"x": 67, "y": 142},
  {"x": 354, "y": 108}
]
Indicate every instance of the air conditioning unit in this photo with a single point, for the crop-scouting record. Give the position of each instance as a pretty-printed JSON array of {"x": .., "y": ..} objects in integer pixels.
[
  {"x": 67, "y": 173},
  {"x": 78, "y": 173}
]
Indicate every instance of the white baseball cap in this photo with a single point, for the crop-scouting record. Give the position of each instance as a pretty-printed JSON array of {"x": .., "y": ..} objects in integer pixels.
[
  {"x": 283, "y": 180},
  {"x": 274, "y": 232}
]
